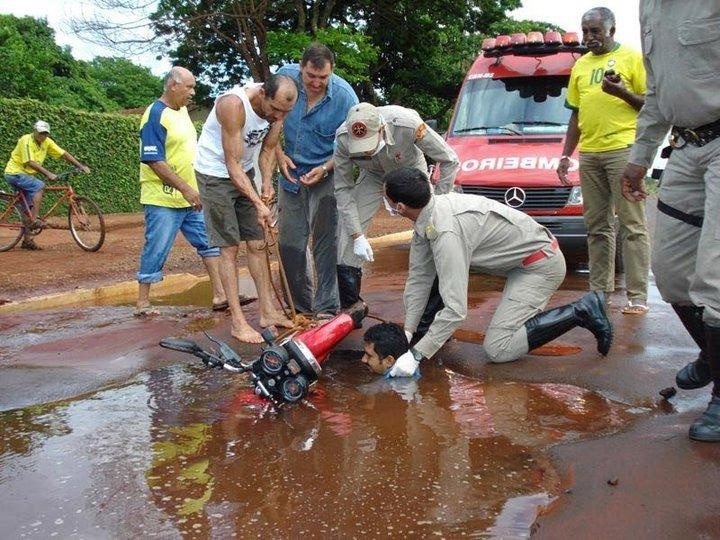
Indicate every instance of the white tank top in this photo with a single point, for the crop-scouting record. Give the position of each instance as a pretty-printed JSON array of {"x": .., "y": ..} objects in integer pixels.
[{"x": 210, "y": 158}]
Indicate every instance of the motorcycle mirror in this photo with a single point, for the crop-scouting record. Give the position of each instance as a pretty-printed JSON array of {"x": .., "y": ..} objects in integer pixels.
[{"x": 182, "y": 345}]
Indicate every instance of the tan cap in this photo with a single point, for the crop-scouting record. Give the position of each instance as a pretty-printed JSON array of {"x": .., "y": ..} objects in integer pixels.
[
  {"x": 363, "y": 124},
  {"x": 41, "y": 126}
]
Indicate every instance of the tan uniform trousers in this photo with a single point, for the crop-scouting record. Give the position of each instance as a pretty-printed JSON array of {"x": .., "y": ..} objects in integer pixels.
[
  {"x": 600, "y": 174},
  {"x": 527, "y": 292},
  {"x": 685, "y": 258}
]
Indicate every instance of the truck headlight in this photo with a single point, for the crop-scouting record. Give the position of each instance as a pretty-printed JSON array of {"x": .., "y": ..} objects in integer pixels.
[{"x": 575, "y": 197}]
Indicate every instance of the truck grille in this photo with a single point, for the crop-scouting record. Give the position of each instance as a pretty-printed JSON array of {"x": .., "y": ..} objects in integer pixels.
[{"x": 535, "y": 198}]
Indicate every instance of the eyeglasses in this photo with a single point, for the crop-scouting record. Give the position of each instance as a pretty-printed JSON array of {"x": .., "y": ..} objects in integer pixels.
[{"x": 392, "y": 211}]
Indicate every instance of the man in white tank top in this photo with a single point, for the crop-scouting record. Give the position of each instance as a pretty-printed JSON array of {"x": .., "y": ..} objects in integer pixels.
[{"x": 243, "y": 122}]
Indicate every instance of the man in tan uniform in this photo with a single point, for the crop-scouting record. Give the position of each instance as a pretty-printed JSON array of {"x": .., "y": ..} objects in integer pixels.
[
  {"x": 377, "y": 140},
  {"x": 682, "y": 55},
  {"x": 453, "y": 232}
]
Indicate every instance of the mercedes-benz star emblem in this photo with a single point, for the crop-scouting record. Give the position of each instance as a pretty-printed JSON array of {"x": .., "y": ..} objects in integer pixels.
[{"x": 515, "y": 197}]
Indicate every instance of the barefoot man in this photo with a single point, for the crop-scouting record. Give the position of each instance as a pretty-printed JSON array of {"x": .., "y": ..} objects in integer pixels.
[{"x": 243, "y": 121}]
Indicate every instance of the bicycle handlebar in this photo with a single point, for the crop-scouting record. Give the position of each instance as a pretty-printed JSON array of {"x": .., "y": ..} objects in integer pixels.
[{"x": 68, "y": 173}]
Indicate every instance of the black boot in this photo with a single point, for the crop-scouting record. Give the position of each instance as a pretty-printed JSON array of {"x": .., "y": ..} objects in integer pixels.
[
  {"x": 349, "y": 279},
  {"x": 434, "y": 304},
  {"x": 588, "y": 312},
  {"x": 695, "y": 374},
  {"x": 707, "y": 427}
]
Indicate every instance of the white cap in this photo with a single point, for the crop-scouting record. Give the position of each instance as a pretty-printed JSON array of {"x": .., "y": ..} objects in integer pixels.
[
  {"x": 363, "y": 123},
  {"x": 41, "y": 126}
]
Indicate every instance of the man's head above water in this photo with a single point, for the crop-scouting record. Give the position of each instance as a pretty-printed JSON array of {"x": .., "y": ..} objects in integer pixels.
[{"x": 384, "y": 343}]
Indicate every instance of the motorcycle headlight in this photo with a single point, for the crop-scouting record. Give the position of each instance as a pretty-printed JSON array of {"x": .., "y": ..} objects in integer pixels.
[{"x": 575, "y": 197}]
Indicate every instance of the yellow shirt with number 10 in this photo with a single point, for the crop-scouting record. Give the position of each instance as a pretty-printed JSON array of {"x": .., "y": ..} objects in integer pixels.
[{"x": 606, "y": 122}]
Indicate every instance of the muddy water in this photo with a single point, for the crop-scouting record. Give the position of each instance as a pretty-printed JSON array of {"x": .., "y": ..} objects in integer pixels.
[{"x": 188, "y": 452}]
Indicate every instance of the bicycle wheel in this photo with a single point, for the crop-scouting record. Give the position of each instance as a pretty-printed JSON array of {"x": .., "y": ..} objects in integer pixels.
[
  {"x": 11, "y": 229},
  {"x": 86, "y": 223}
]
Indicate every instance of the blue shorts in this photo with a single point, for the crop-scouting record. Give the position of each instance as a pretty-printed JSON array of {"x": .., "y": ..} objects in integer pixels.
[
  {"x": 27, "y": 184},
  {"x": 161, "y": 227}
]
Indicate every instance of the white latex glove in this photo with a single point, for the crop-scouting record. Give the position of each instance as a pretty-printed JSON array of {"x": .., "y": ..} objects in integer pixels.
[
  {"x": 362, "y": 248},
  {"x": 408, "y": 335},
  {"x": 405, "y": 366}
]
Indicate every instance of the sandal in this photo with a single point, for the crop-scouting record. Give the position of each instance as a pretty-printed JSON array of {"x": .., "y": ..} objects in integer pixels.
[
  {"x": 31, "y": 245},
  {"x": 635, "y": 307},
  {"x": 147, "y": 311}
]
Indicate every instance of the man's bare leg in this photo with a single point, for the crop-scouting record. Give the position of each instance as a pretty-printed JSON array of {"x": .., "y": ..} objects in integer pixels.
[
  {"x": 269, "y": 315},
  {"x": 239, "y": 328},
  {"x": 34, "y": 212},
  {"x": 142, "y": 306},
  {"x": 212, "y": 265}
]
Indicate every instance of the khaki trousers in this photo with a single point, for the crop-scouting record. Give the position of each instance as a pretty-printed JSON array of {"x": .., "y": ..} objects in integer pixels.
[
  {"x": 685, "y": 258},
  {"x": 600, "y": 174},
  {"x": 527, "y": 292}
]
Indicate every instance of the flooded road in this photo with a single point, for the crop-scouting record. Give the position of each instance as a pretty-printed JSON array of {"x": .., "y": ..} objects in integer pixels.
[
  {"x": 103, "y": 434},
  {"x": 187, "y": 451}
]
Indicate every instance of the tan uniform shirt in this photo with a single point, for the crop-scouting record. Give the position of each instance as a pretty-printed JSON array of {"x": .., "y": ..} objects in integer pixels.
[
  {"x": 681, "y": 48},
  {"x": 407, "y": 141},
  {"x": 453, "y": 233}
]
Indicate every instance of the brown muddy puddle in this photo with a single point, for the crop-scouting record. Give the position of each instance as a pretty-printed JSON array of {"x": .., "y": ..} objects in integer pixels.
[{"x": 188, "y": 452}]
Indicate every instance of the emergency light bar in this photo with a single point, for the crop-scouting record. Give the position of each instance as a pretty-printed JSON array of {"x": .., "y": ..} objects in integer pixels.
[{"x": 533, "y": 44}]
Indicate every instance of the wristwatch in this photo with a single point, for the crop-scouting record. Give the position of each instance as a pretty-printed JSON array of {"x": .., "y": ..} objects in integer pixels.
[
  {"x": 325, "y": 171},
  {"x": 417, "y": 355},
  {"x": 564, "y": 157}
]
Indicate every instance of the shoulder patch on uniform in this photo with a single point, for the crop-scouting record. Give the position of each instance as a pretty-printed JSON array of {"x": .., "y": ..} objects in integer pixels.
[
  {"x": 404, "y": 122},
  {"x": 430, "y": 231},
  {"x": 420, "y": 131}
]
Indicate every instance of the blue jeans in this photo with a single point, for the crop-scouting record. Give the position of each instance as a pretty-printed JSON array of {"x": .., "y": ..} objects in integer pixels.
[
  {"x": 161, "y": 227},
  {"x": 27, "y": 183}
]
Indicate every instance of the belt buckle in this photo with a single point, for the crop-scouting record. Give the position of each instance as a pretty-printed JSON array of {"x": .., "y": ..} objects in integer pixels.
[{"x": 692, "y": 137}]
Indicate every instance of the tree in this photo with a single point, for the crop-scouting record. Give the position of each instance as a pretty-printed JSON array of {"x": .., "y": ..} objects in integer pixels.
[
  {"x": 34, "y": 66},
  {"x": 409, "y": 52},
  {"x": 128, "y": 85}
]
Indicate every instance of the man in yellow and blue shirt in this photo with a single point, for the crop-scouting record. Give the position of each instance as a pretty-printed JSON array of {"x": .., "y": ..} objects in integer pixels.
[
  {"x": 605, "y": 92},
  {"x": 26, "y": 160},
  {"x": 169, "y": 190}
]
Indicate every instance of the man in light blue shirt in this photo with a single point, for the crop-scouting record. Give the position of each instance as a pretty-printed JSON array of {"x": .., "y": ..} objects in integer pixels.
[{"x": 306, "y": 191}]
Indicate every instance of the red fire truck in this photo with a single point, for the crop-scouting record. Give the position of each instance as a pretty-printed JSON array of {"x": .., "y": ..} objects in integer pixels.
[{"x": 508, "y": 126}]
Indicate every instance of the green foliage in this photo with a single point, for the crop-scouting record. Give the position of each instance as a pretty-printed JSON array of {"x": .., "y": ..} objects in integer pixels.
[
  {"x": 107, "y": 143},
  {"x": 413, "y": 53},
  {"x": 354, "y": 54},
  {"x": 35, "y": 67},
  {"x": 128, "y": 85}
]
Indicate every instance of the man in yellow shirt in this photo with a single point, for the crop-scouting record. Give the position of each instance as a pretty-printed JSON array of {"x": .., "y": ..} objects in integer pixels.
[
  {"x": 26, "y": 160},
  {"x": 605, "y": 92},
  {"x": 169, "y": 191}
]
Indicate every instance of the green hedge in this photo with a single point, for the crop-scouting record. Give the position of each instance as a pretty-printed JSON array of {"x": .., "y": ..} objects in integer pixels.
[{"x": 107, "y": 143}]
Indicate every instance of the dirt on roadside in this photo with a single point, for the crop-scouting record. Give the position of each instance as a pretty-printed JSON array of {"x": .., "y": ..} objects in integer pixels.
[{"x": 63, "y": 266}]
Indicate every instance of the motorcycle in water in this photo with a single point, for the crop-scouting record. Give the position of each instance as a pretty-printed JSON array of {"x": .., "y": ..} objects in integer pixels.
[{"x": 287, "y": 369}]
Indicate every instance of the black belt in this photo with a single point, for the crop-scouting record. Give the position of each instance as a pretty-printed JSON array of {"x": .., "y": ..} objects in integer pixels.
[
  {"x": 698, "y": 136},
  {"x": 695, "y": 221}
]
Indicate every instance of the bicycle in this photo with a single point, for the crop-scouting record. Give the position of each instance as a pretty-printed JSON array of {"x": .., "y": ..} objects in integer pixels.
[{"x": 84, "y": 217}]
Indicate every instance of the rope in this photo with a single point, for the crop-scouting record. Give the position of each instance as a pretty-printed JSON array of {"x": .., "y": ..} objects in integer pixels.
[{"x": 284, "y": 297}]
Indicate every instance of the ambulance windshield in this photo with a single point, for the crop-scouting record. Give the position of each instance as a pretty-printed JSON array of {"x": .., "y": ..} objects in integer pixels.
[{"x": 513, "y": 106}]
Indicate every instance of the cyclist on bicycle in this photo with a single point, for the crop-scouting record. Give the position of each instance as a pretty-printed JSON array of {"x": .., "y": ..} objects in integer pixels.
[{"x": 26, "y": 160}]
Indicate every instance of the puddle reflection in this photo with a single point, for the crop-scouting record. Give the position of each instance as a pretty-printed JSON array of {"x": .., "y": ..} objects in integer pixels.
[{"x": 188, "y": 451}]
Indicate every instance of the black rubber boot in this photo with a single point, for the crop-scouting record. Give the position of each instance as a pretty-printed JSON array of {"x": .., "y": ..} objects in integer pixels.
[
  {"x": 707, "y": 427},
  {"x": 349, "y": 279},
  {"x": 588, "y": 312},
  {"x": 695, "y": 374},
  {"x": 434, "y": 304}
]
